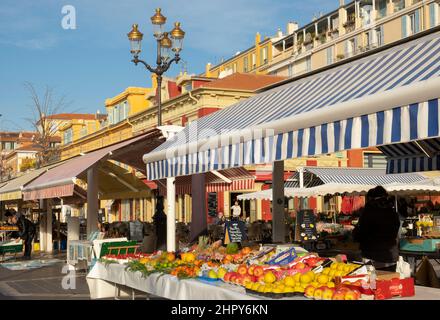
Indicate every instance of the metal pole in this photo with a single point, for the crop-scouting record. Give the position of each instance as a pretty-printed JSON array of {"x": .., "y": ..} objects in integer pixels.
[{"x": 159, "y": 100}]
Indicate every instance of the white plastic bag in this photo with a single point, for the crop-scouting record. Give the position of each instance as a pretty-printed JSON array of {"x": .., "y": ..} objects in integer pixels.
[{"x": 403, "y": 268}]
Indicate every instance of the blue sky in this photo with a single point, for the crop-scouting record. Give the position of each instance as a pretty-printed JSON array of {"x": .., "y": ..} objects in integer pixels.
[{"x": 92, "y": 62}]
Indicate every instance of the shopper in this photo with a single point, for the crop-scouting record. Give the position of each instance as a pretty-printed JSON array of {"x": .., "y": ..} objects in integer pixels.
[
  {"x": 377, "y": 230},
  {"x": 236, "y": 211},
  {"x": 26, "y": 231},
  {"x": 219, "y": 219}
]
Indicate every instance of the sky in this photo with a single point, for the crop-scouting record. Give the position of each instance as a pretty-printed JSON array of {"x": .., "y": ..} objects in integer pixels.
[{"x": 91, "y": 63}]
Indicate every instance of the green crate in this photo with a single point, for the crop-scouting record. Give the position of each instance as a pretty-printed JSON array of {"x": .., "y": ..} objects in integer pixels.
[
  {"x": 105, "y": 249},
  {"x": 11, "y": 249}
]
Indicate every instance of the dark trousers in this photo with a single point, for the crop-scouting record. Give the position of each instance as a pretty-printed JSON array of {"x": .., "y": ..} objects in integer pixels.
[{"x": 28, "y": 245}]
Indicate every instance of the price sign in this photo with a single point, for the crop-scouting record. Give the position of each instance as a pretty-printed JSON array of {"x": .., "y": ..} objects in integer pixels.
[
  {"x": 235, "y": 231},
  {"x": 306, "y": 224}
]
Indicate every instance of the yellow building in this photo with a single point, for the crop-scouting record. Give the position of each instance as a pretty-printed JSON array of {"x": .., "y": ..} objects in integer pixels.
[
  {"x": 101, "y": 130},
  {"x": 350, "y": 30}
]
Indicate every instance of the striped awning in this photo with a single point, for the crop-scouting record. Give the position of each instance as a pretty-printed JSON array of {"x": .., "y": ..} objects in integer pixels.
[
  {"x": 414, "y": 156},
  {"x": 12, "y": 190},
  {"x": 388, "y": 97},
  {"x": 241, "y": 179},
  {"x": 315, "y": 176}
]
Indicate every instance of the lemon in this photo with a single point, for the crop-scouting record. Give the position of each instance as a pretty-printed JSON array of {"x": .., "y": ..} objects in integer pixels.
[
  {"x": 338, "y": 273},
  {"x": 334, "y": 265},
  {"x": 315, "y": 284},
  {"x": 269, "y": 277},
  {"x": 311, "y": 274},
  {"x": 340, "y": 267},
  {"x": 326, "y": 271},
  {"x": 304, "y": 285},
  {"x": 323, "y": 279},
  {"x": 305, "y": 278},
  {"x": 298, "y": 289},
  {"x": 331, "y": 284},
  {"x": 289, "y": 281},
  {"x": 297, "y": 277}
]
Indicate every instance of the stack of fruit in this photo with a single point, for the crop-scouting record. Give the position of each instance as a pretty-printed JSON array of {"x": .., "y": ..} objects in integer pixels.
[{"x": 329, "y": 293}]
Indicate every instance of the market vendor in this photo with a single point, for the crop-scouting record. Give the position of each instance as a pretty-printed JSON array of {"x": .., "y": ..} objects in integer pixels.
[
  {"x": 236, "y": 211},
  {"x": 377, "y": 230},
  {"x": 26, "y": 231}
]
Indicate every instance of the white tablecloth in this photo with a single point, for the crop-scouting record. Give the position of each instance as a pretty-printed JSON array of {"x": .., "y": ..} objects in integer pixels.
[{"x": 101, "y": 280}]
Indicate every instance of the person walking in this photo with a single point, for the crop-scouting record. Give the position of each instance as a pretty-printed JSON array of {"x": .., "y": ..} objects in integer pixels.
[
  {"x": 26, "y": 231},
  {"x": 377, "y": 230},
  {"x": 236, "y": 211}
]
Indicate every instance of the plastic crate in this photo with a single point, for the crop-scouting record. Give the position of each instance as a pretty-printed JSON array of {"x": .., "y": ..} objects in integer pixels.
[
  {"x": 11, "y": 249},
  {"x": 421, "y": 245},
  {"x": 107, "y": 247}
]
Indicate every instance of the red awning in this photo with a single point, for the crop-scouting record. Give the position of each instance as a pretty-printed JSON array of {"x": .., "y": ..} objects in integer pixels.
[
  {"x": 241, "y": 179},
  {"x": 60, "y": 181}
]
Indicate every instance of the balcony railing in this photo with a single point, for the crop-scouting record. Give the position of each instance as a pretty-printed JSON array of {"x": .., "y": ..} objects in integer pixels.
[{"x": 358, "y": 50}]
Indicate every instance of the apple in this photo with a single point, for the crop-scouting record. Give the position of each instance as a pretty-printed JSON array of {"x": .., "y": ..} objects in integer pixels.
[
  {"x": 328, "y": 293},
  {"x": 318, "y": 293},
  {"x": 227, "y": 276},
  {"x": 260, "y": 278},
  {"x": 251, "y": 270},
  {"x": 233, "y": 277},
  {"x": 258, "y": 271},
  {"x": 309, "y": 291},
  {"x": 300, "y": 266},
  {"x": 339, "y": 295},
  {"x": 242, "y": 269},
  {"x": 239, "y": 280},
  {"x": 351, "y": 295},
  {"x": 247, "y": 279}
]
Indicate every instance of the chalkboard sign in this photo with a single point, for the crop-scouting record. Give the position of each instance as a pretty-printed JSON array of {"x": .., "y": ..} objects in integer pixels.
[
  {"x": 306, "y": 225},
  {"x": 212, "y": 204},
  {"x": 234, "y": 231},
  {"x": 136, "y": 230}
]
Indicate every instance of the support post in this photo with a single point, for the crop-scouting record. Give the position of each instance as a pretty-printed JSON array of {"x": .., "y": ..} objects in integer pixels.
[
  {"x": 49, "y": 242},
  {"x": 171, "y": 215},
  {"x": 92, "y": 200},
  {"x": 199, "y": 224},
  {"x": 43, "y": 224},
  {"x": 278, "y": 229}
]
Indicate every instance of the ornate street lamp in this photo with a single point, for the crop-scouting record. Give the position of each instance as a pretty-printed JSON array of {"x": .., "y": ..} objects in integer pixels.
[{"x": 165, "y": 49}]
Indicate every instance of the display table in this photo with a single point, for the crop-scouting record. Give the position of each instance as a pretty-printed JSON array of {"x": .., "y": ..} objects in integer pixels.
[{"x": 104, "y": 281}]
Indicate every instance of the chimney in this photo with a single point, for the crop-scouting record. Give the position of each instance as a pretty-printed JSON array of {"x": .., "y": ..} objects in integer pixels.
[
  {"x": 292, "y": 27},
  {"x": 279, "y": 33},
  {"x": 257, "y": 38},
  {"x": 341, "y": 3}
]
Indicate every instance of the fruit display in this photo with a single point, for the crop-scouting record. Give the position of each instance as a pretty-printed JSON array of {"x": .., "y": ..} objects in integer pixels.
[{"x": 264, "y": 271}]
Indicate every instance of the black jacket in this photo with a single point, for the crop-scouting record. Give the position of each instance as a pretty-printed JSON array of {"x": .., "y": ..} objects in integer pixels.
[
  {"x": 377, "y": 231},
  {"x": 26, "y": 228}
]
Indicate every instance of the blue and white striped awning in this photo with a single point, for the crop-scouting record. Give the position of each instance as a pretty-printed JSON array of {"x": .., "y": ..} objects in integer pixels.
[
  {"x": 414, "y": 156},
  {"x": 360, "y": 176},
  {"x": 389, "y": 97}
]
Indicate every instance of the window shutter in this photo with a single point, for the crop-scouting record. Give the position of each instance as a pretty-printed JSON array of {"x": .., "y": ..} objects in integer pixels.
[
  {"x": 382, "y": 39},
  {"x": 404, "y": 32},
  {"x": 417, "y": 21},
  {"x": 346, "y": 49},
  {"x": 432, "y": 21}
]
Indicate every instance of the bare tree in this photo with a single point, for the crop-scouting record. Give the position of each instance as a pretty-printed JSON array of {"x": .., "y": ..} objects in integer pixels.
[{"x": 43, "y": 109}]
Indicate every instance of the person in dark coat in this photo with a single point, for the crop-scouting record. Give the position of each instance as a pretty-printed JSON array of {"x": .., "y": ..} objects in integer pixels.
[
  {"x": 26, "y": 231},
  {"x": 377, "y": 230}
]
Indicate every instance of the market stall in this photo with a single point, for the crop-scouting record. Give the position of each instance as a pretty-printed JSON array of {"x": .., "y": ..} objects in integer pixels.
[{"x": 270, "y": 272}]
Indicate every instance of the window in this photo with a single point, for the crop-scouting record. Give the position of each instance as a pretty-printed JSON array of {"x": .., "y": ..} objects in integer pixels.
[
  {"x": 375, "y": 160},
  {"x": 8, "y": 146},
  {"x": 329, "y": 52},
  {"x": 245, "y": 64},
  {"x": 68, "y": 136},
  {"x": 382, "y": 9},
  {"x": 110, "y": 117},
  {"x": 263, "y": 56},
  {"x": 308, "y": 63},
  {"x": 350, "y": 47},
  {"x": 290, "y": 70},
  {"x": 234, "y": 67},
  {"x": 398, "y": 5},
  {"x": 254, "y": 61},
  {"x": 411, "y": 24},
  {"x": 379, "y": 36},
  {"x": 83, "y": 131},
  {"x": 433, "y": 14}
]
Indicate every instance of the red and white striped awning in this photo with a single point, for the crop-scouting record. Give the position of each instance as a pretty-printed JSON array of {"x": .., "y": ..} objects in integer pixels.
[{"x": 240, "y": 177}]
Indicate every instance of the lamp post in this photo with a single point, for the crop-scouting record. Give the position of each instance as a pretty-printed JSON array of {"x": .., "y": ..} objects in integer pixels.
[{"x": 165, "y": 48}]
